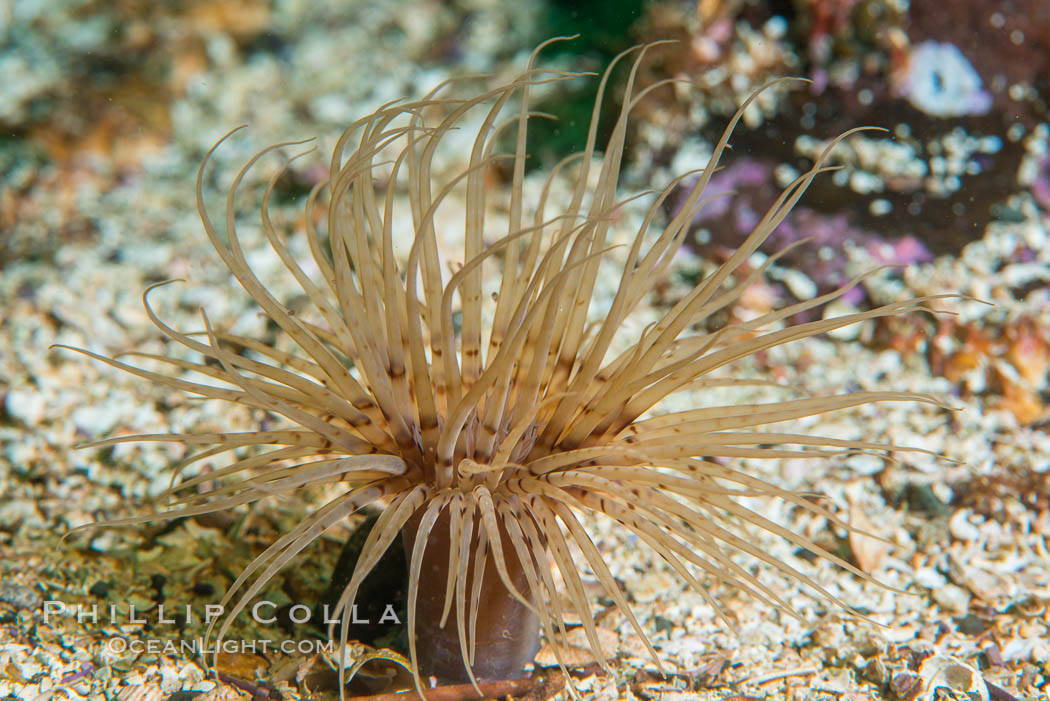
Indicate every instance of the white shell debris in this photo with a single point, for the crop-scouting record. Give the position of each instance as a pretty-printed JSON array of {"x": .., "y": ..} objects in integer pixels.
[
  {"x": 943, "y": 671},
  {"x": 941, "y": 82}
]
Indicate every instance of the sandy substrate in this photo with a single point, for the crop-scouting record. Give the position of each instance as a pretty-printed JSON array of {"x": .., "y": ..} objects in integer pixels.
[{"x": 967, "y": 533}]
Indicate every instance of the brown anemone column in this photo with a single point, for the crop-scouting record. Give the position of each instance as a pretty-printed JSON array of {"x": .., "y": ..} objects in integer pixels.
[{"x": 507, "y": 633}]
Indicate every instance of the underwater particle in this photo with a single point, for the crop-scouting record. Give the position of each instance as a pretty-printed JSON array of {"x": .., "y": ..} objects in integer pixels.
[{"x": 940, "y": 81}]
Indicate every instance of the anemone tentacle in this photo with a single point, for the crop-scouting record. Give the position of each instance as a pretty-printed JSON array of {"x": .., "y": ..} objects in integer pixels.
[{"x": 486, "y": 417}]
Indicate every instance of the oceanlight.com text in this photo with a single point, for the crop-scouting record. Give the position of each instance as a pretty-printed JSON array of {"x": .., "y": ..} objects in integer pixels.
[{"x": 118, "y": 646}]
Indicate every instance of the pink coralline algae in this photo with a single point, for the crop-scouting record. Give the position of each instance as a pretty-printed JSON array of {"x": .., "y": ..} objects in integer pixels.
[
  {"x": 750, "y": 189},
  {"x": 1040, "y": 187}
]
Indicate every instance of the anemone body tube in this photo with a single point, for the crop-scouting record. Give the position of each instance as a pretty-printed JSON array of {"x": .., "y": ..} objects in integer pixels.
[{"x": 506, "y": 633}]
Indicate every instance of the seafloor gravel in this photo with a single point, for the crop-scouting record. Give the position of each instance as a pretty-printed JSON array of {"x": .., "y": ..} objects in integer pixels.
[{"x": 86, "y": 230}]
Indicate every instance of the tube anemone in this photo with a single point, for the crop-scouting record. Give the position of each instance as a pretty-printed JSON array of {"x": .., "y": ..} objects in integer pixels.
[{"x": 487, "y": 414}]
